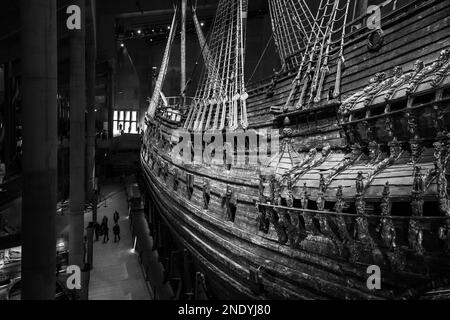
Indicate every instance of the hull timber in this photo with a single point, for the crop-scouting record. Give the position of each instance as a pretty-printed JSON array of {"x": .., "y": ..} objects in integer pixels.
[{"x": 291, "y": 251}]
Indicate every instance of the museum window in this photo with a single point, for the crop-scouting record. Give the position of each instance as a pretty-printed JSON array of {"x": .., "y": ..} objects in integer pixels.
[{"x": 125, "y": 121}]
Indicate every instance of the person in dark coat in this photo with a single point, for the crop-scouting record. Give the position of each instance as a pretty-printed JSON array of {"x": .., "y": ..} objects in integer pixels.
[
  {"x": 105, "y": 229},
  {"x": 97, "y": 230},
  {"x": 104, "y": 223},
  {"x": 116, "y": 217},
  {"x": 116, "y": 231},
  {"x": 105, "y": 233}
]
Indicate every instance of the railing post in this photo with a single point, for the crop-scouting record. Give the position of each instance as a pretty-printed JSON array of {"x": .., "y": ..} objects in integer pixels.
[
  {"x": 415, "y": 233},
  {"x": 307, "y": 216},
  {"x": 386, "y": 226},
  {"x": 339, "y": 220}
]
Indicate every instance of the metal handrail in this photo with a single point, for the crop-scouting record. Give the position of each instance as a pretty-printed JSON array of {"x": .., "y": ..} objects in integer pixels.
[{"x": 352, "y": 214}]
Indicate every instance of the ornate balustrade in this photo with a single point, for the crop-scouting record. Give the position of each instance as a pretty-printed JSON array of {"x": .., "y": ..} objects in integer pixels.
[
  {"x": 358, "y": 233},
  {"x": 173, "y": 108}
]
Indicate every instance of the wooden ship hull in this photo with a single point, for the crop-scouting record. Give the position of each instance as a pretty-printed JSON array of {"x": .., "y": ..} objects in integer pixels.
[{"x": 359, "y": 181}]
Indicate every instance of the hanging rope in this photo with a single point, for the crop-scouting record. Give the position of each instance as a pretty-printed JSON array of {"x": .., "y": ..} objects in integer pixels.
[
  {"x": 260, "y": 59},
  {"x": 163, "y": 70},
  {"x": 222, "y": 81},
  {"x": 341, "y": 59},
  {"x": 292, "y": 24}
]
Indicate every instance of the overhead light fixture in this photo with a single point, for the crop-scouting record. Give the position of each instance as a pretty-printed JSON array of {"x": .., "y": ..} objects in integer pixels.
[
  {"x": 139, "y": 31},
  {"x": 122, "y": 45}
]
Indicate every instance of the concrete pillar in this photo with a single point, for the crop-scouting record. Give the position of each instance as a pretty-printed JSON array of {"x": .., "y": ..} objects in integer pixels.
[
  {"x": 39, "y": 80},
  {"x": 77, "y": 140},
  {"x": 91, "y": 55},
  {"x": 91, "y": 59}
]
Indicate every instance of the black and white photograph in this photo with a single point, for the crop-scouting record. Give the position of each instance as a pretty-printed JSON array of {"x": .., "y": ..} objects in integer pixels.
[{"x": 224, "y": 157}]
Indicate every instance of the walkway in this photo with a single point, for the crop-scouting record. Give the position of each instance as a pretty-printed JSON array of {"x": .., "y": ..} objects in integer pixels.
[{"x": 117, "y": 274}]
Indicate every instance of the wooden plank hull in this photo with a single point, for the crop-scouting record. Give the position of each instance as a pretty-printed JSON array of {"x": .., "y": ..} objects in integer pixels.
[
  {"x": 325, "y": 215},
  {"x": 230, "y": 256}
]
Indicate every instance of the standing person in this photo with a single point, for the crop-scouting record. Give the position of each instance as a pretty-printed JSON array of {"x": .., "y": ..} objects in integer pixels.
[
  {"x": 97, "y": 230},
  {"x": 104, "y": 221},
  {"x": 105, "y": 233},
  {"x": 116, "y": 217},
  {"x": 116, "y": 231},
  {"x": 105, "y": 229}
]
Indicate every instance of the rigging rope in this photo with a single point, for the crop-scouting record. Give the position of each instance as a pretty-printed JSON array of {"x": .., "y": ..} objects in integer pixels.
[
  {"x": 163, "y": 70},
  {"x": 222, "y": 79},
  {"x": 260, "y": 59}
]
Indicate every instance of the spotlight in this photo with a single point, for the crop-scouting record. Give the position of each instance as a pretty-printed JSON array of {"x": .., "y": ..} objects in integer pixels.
[
  {"x": 202, "y": 24},
  {"x": 168, "y": 27},
  {"x": 139, "y": 32},
  {"x": 122, "y": 45}
]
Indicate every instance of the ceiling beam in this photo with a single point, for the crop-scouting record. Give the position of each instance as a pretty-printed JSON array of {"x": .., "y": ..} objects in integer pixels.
[{"x": 153, "y": 13}]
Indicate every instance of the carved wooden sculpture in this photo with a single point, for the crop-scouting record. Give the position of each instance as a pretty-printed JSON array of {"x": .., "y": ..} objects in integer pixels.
[
  {"x": 362, "y": 225},
  {"x": 200, "y": 291},
  {"x": 386, "y": 226},
  {"x": 359, "y": 183},
  {"x": 308, "y": 217},
  {"x": 189, "y": 185},
  {"x": 311, "y": 162},
  {"x": 415, "y": 233},
  {"x": 394, "y": 154},
  {"x": 290, "y": 220},
  {"x": 340, "y": 220},
  {"x": 349, "y": 103},
  {"x": 229, "y": 201},
  {"x": 439, "y": 121},
  {"x": 175, "y": 180},
  {"x": 425, "y": 71},
  {"x": 445, "y": 68},
  {"x": 290, "y": 194},
  {"x": 442, "y": 154},
  {"x": 263, "y": 221},
  {"x": 323, "y": 218},
  {"x": 349, "y": 160},
  {"x": 206, "y": 194}
]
